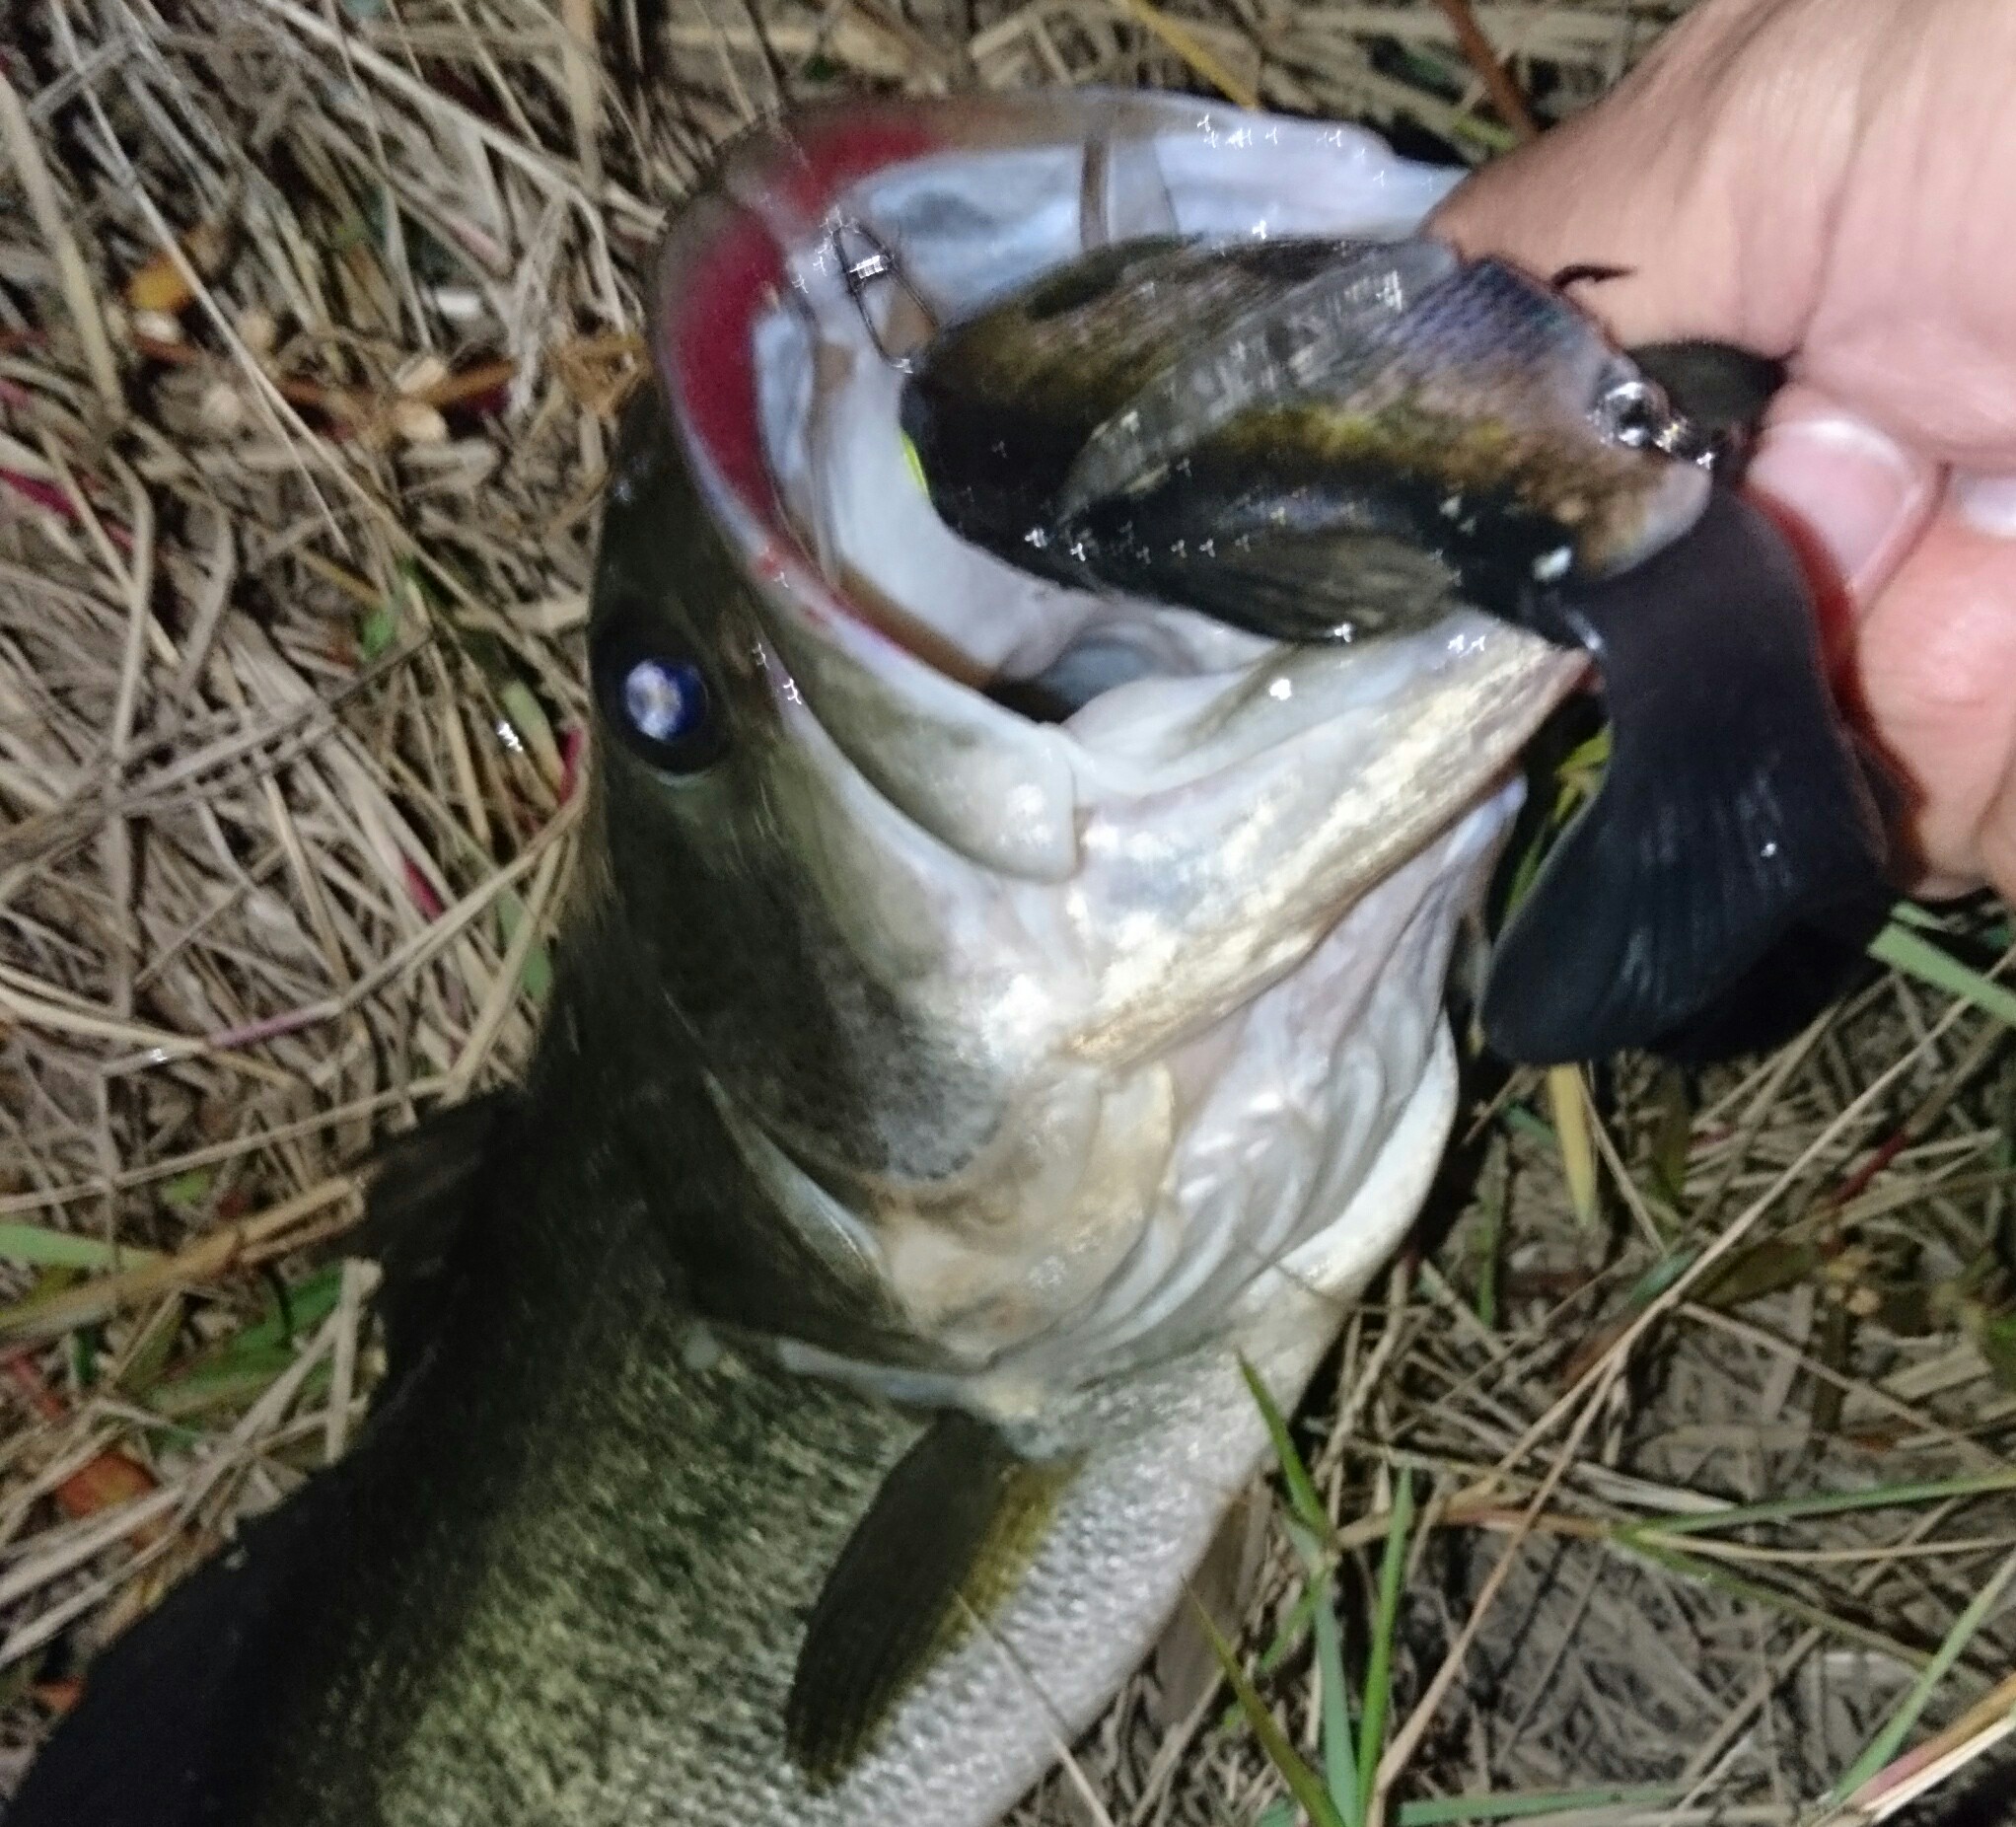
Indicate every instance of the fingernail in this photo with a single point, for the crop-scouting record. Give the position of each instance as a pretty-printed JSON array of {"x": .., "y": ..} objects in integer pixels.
[
  {"x": 1987, "y": 503},
  {"x": 1862, "y": 495}
]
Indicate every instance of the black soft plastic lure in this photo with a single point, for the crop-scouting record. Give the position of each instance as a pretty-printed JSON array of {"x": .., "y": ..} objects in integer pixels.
[{"x": 1324, "y": 441}]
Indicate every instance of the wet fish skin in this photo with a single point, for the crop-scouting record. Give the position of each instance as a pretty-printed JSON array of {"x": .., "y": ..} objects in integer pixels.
[
  {"x": 561, "y": 1577},
  {"x": 564, "y": 1577}
]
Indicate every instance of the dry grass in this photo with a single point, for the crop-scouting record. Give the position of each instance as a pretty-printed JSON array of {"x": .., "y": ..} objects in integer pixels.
[{"x": 312, "y": 313}]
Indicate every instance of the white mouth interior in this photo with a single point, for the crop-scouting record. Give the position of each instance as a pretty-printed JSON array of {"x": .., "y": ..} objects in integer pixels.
[{"x": 967, "y": 229}]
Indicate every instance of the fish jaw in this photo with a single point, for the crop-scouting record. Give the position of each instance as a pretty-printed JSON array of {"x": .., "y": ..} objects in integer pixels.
[{"x": 1030, "y": 953}]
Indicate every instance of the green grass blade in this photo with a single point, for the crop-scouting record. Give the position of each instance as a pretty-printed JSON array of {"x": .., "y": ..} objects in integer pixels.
[
  {"x": 1825, "y": 1504},
  {"x": 1923, "y": 919},
  {"x": 1303, "y": 1500},
  {"x": 1339, "y": 1764},
  {"x": 1889, "y": 1740},
  {"x": 1285, "y": 1639},
  {"x": 1519, "y": 1120},
  {"x": 536, "y": 977},
  {"x": 1303, "y": 1783},
  {"x": 1905, "y": 950},
  {"x": 1453, "y": 1810},
  {"x": 1713, "y": 1574},
  {"x": 37, "y": 1244},
  {"x": 1378, "y": 1668},
  {"x": 259, "y": 1351}
]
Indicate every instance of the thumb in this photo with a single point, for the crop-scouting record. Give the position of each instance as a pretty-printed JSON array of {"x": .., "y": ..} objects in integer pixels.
[{"x": 1860, "y": 496}]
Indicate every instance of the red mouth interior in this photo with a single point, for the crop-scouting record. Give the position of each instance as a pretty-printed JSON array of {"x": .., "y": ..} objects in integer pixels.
[{"x": 708, "y": 352}]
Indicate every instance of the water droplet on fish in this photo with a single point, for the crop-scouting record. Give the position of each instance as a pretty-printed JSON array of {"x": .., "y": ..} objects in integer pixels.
[{"x": 1282, "y": 689}]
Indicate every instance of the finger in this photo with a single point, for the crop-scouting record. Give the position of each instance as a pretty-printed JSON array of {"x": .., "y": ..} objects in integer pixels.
[
  {"x": 1661, "y": 178},
  {"x": 1936, "y": 663},
  {"x": 1862, "y": 498}
]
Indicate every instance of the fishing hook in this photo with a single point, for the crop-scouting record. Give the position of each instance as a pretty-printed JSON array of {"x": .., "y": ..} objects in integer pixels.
[{"x": 864, "y": 260}]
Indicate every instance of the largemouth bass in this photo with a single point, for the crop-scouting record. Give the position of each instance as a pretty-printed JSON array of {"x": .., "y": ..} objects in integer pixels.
[{"x": 811, "y": 1391}]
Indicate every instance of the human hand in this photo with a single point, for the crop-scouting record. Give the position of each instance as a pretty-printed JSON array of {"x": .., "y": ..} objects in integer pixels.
[{"x": 1830, "y": 179}]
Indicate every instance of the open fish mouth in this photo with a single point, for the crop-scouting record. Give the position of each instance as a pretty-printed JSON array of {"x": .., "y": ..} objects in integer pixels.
[
  {"x": 784, "y": 377},
  {"x": 893, "y": 631},
  {"x": 1127, "y": 875}
]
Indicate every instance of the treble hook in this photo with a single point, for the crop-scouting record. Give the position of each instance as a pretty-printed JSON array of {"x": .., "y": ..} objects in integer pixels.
[{"x": 864, "y": 264}]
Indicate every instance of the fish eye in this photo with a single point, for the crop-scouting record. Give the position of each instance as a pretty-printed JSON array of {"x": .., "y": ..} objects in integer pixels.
[
  {"x": 664, "y": 699},
  {"x": 655, "y": 699}
]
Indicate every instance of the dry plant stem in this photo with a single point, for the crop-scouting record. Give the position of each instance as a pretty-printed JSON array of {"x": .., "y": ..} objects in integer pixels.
[
  {"x": 1498, "y": 80},
  {"x": 1973, "y": 1735},
  {"x": 1188, "y": 46},
  {"x": 239, "y": 942},
  {"x": 1400, "y": 1750},
  {"x": 1741, "y": 1226},
  {"x": 203, "y": 1261},
  {"x": 422, "y": 1090},
  {"x": 25, "y": 154}
]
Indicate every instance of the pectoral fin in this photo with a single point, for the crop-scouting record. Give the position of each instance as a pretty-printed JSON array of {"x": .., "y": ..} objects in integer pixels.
[
  {"x": 1734, "y": 859},
  {"x": 952, "y": 1530},
  {"x": 427, "y": 1193}
]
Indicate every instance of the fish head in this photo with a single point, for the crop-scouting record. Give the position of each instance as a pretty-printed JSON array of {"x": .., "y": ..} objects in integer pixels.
[{"x": 1056, "y": 960}]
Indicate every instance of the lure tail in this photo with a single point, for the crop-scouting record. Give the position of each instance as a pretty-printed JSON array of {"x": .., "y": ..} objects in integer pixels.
[{"x": 1733, "y": 864}]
